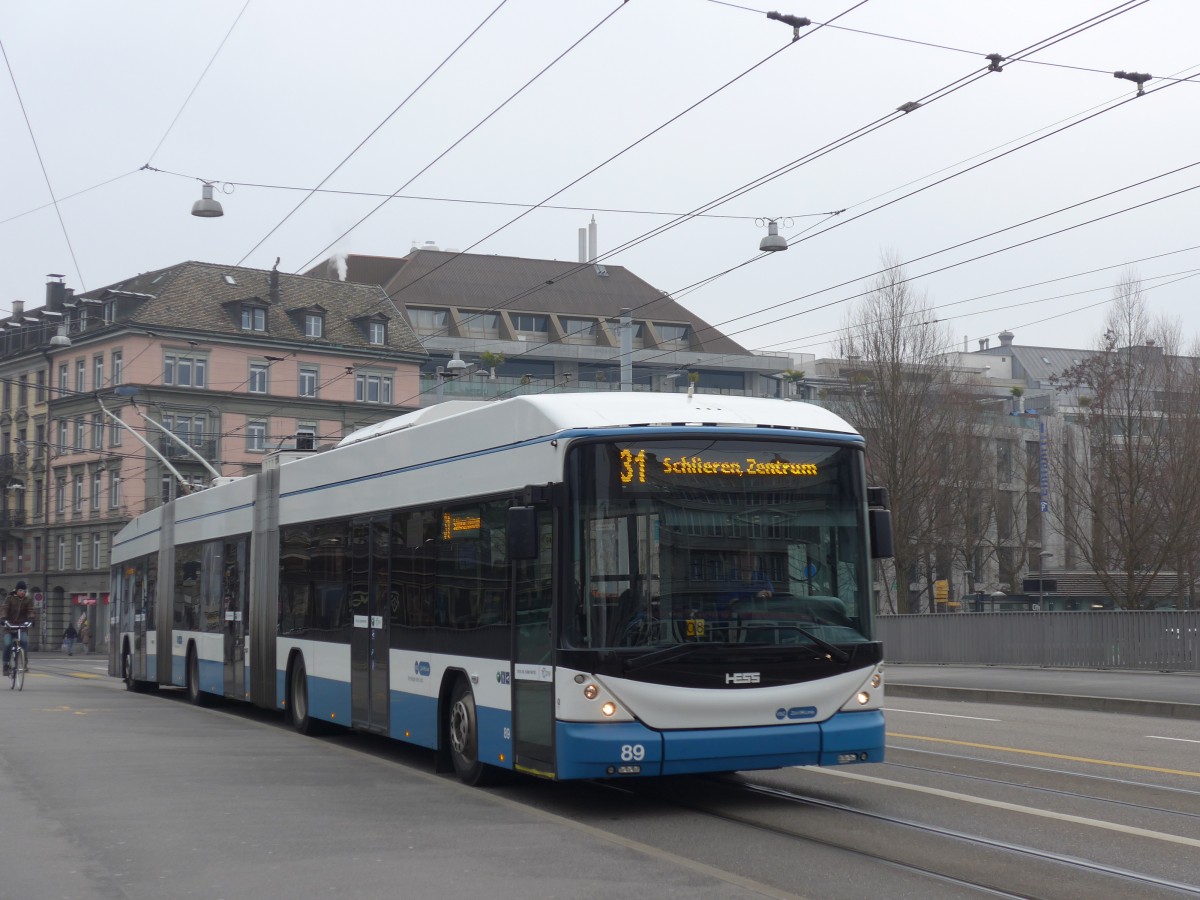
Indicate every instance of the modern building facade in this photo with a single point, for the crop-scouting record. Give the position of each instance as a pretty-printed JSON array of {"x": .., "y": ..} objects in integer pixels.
[
  {"x": 496, "y": 326},
  {"x": 116, "y": 400}
]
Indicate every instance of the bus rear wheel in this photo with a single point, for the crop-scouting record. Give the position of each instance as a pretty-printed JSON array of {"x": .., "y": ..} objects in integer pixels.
[
  {"x": 462, "y": 726},
  {"x": 298, "y": 700},
  {"x": 127, "y": 672},
  {"x": 195, "y": 696}
]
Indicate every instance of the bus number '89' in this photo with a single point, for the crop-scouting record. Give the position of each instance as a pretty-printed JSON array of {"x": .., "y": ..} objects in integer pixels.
[{"x": 632, "y": 753}]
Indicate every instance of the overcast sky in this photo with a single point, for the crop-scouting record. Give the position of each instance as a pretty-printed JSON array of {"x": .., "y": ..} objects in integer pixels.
[{"x": 292, "y": 88}]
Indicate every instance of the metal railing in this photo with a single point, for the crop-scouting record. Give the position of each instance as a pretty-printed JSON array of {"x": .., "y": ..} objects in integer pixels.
[{"x": 1155, "y": 640}]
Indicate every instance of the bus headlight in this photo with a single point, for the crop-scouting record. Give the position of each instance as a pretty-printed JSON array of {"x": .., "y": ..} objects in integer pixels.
[
  {"x": 609, "y": 709},
  {"x": 591, "y": 692},
  {"x": 876, "y": 679},
  {"x": 863, "y": 698}
]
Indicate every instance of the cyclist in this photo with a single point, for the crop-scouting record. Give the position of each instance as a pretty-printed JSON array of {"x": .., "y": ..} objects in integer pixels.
[{"x": 18, "y": 610}]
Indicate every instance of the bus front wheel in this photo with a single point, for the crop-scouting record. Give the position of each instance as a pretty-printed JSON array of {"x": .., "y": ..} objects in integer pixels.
[
  {"x": 195, "y": 696},
  {"x": 298, "y": 700},
  {"x": 463, "y": 732}
]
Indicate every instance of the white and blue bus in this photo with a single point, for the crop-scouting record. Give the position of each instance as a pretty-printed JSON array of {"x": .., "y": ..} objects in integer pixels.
[{"x": 595, "y": 585}]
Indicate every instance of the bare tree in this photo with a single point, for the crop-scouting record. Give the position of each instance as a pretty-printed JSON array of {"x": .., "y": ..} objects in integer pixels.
[
  {"x": 903, "y": 396},
  {"x": 1130, "y": 487}
]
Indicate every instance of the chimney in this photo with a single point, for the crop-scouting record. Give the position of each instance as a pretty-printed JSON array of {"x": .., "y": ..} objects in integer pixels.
[
  {"x": 1006, "y": 338},
  {"x": 55, "y": 294},
  {"x": 18, "y": 308},
  {"x": 583, "y": 257},
  {"x": 983, "y": 343},
  {"x": 592, "y": 239},
  {"x": 273, "y": 290}
]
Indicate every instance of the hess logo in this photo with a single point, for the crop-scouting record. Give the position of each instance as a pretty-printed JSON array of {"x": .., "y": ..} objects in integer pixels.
[{"x": 741, "y": 678}]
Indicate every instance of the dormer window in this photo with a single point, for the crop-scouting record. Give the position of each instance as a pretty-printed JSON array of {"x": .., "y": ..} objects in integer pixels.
[
  {"x": 314, "y": 325},
  {"x": 377, "y": 333},
  {"x": 254, "y": 318}
]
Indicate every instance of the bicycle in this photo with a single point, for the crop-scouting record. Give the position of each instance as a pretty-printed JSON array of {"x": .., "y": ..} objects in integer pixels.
[{"x": 18, "y": 662}]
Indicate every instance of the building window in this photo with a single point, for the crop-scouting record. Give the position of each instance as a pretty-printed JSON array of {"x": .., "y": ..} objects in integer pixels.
[
  {"x": 98, "y": 373},
  {"x": 95, "y": 549},
  {"x": 308, "y": 381},
  {"x": 79, "y": 551},
  {"x": 370, "y": 388},
  {"x": 62, "y": 435},
  {"x": 60, "y": 495},
  {"x": 20, "y": 554},
  {"x": 114, "y": 490},
  {"x": 97, "y": 432},
  {"x": 185, "y": 371},
  {"x": 672, "y": 334},
  {"x": 254, "y": 318},
  {"x": 62, "y": 553},
  {"x": 427, "y": 320},
  {"x": 41, "y": 386},
  {"x": 529, "y": 323},
  {"x": 377, "y": 333},
  {"x": 579, "y": 331},
  {"x": 23, "y": 391},
  {"x": 257, "y": 383},
  {"x": 306, "y": 436},
  {"x": 97, "y": 482},
  {"x": 37, "y": 497},
  {"x": 189, "y": 429},
  {"x": 314, "y": 325},
  {"x": 117, "y": 366},
  {"x": 80, "y": 375},
  {"x": 62, "y": 381},
  {"x": 256, "y": 436},
  {"x": 481, "y": 324},
  {"x": 37, "y": 554},
  {"x": 77, "y": 494},
  {"x": 79, "y": 432}
]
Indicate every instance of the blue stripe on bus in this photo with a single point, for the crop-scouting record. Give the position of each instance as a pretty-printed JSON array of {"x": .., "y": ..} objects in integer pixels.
[
  {"x": 495, "y": 736},
  {"x": 413, "y": 718},
  {"x": 597, "y": 750}
]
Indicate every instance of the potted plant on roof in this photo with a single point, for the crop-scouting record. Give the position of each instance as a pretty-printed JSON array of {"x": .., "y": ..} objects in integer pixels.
[
  {"x": 490, "y": 360},
  {"x": 1018, "y": 404},
  {"x": 795, "y": 378}
]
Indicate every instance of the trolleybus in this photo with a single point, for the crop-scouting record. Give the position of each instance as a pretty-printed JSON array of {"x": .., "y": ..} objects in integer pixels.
[{"x": 589, "y": 585}]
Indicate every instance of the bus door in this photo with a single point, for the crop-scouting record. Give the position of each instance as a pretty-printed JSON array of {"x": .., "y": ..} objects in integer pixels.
[
  {"x": 533, "y": 655},
  {"x": 137, "y": 612},
  {"x": 370, "y": 579},
  {"x": 235, "y": 572}
]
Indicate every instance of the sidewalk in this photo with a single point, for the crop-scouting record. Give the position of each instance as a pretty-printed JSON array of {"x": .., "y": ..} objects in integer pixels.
[{"x": 1169, "y": 694}]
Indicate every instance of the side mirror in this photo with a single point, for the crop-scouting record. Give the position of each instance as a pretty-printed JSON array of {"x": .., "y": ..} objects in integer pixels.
[{"x": 522, "y": 532}]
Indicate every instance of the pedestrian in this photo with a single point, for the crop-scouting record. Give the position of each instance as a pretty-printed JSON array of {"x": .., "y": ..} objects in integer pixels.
[
  {"x": 70, "y": 636},
  {"x": 18, "y": 610}
]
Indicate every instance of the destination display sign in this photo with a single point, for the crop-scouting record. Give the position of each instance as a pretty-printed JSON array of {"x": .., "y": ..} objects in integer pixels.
[{"x": 636, "y": 465}]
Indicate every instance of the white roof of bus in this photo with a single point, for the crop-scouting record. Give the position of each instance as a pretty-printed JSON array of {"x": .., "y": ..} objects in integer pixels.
[{"x": 552, "y": 413}]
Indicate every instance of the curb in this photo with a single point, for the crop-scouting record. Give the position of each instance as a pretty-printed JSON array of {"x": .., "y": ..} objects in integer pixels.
[{"x": 1159, "y": 708}]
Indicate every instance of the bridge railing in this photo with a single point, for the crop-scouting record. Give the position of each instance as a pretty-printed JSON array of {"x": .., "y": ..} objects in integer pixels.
[{"x": 1154, "y": 640}]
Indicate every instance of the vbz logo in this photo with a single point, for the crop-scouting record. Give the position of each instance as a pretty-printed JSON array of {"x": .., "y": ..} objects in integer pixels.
[{"x": 741, "y": 678}]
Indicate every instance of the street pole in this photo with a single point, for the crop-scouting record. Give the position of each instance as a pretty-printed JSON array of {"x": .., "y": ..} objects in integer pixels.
[{"x": 1042, "y": 557}]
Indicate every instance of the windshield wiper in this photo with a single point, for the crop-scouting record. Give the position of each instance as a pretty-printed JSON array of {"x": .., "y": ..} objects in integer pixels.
[
  {"x": 832, "y": 649},
  {"x": 674, "y": 651}
]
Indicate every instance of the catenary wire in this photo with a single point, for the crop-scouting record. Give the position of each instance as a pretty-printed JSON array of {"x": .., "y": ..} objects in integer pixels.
[
  {"x": 376, "y": 129},
  {"x": 41, "y": 163},
  {"x": 188, "y": 99}
]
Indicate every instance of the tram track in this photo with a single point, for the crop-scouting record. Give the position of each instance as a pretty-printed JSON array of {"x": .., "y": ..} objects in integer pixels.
[{"x": 972, "y": 862}]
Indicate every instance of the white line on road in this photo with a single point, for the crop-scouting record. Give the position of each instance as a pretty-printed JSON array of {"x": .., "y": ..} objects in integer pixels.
[
  {"x": 1159, "y": 737},
  {"x": 917, "y": 712}
]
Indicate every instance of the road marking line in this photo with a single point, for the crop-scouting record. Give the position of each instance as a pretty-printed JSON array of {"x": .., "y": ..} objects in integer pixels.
[
  {"x": 917, "y": 712},
  {"x": 1013, "y": 807},
  {"x": 1159, "y": 737},
  {"x": 1084, "y": 759},
  {"x": 81, "y": 675}
]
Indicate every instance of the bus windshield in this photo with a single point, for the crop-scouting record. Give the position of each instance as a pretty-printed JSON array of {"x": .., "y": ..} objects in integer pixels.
[{"x": 753, "y": 542}]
